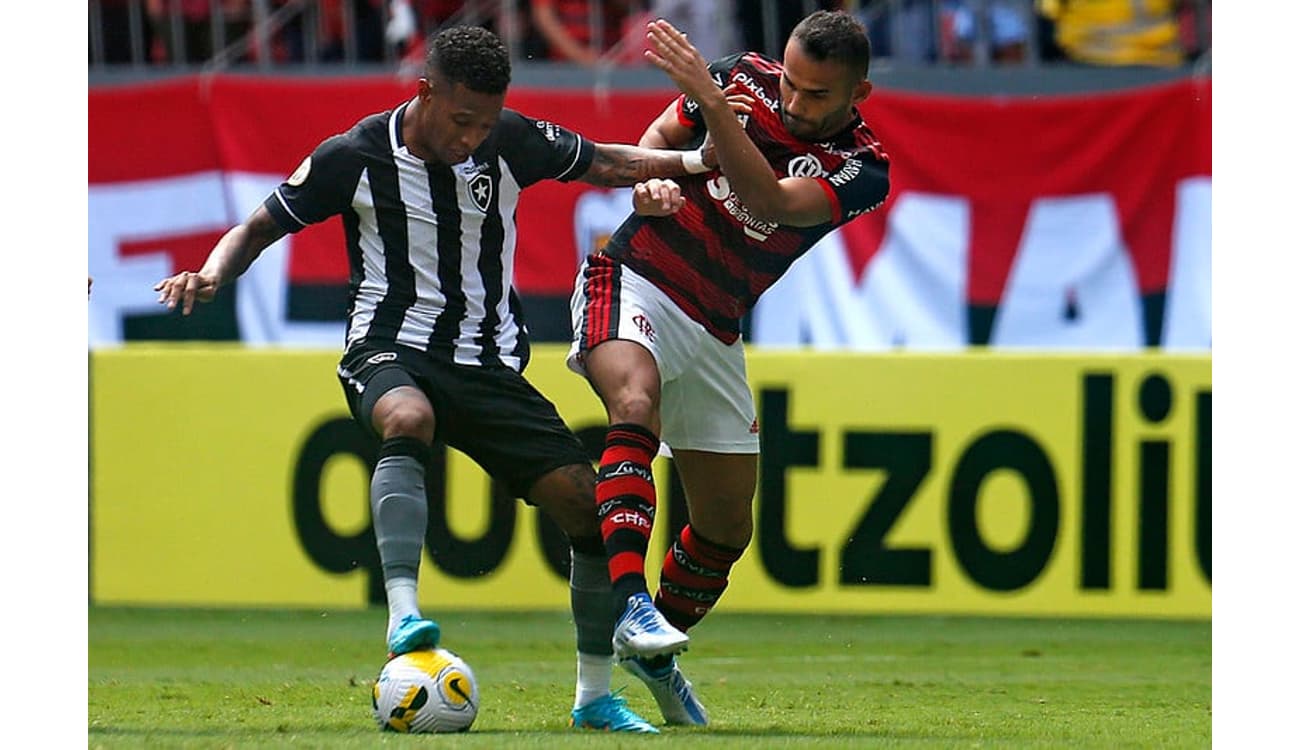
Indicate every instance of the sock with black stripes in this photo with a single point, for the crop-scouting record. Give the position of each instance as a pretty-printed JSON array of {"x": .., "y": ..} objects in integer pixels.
[
  {"x": 625, "y": 505},
  {"x": 693, "y": 578}
]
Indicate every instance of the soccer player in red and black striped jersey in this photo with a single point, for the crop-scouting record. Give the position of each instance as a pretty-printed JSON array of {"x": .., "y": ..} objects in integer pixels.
[{"x": 657, "y": 312}]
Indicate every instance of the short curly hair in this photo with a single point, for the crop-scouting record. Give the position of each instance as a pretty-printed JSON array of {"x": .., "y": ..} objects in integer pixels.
[
  {"x": 835, "y": 35},
  {"x": 471, "y": 56}
]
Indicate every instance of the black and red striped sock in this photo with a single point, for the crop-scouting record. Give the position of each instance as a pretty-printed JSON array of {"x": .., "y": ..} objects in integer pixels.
[
  {"x": 693, "y": 578},
  {"x": 625, "y": 505}
]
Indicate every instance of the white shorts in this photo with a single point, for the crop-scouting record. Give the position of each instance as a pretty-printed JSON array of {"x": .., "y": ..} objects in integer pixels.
[{"x": 705, "y": 402}]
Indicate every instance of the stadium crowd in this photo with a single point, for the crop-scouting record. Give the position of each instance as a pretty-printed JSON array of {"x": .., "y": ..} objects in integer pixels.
[{"x": 1162, "y": 33}]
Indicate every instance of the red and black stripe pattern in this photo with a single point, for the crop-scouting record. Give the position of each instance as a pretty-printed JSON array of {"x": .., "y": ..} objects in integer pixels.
[
  {"x": 625, "y": 504},
  {"x": 600, "y": 289},
  {"x": 693, "y": 578}
]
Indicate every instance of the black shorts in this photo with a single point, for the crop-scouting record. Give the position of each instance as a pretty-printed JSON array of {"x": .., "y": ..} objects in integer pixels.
[{"x": 491, "y": 414}]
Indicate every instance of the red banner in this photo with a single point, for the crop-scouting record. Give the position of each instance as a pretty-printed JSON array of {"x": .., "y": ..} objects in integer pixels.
[{"x": 996, "y": 179}]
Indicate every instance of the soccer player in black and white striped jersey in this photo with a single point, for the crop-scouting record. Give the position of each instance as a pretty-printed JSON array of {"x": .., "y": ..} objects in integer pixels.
[{"x": 435, "y": 347}]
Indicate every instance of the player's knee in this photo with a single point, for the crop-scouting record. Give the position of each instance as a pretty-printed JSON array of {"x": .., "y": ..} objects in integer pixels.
[
  {"x": 400, "y": 415},
  {"x": 635, "y": 406},
  {"x": 568, "y": 496},
  {"x": 733, "y": 530}
]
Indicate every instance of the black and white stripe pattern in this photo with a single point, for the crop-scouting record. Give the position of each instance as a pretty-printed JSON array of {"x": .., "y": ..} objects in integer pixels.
[{"x": 432, "y": 267}]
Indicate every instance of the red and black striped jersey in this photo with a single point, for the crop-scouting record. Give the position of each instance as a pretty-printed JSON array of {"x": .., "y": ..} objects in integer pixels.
[{"x": 713, "y": 257}]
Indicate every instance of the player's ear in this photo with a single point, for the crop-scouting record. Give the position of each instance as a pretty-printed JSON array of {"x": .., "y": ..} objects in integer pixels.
[
  {"x": 861, "y": 91},
  {"x": 423, "y": 89}
]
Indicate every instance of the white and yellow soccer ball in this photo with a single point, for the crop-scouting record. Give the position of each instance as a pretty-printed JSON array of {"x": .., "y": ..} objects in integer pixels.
[{"x": 425, "y": 691}]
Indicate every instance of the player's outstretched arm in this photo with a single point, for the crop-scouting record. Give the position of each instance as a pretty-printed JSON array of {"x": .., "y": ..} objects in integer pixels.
[
  {"x": 617, "y": 165},
  {"x": 792, "y": 201},
  {"x": 232, "y": 255},
  {"x": 620, "y": 165}
]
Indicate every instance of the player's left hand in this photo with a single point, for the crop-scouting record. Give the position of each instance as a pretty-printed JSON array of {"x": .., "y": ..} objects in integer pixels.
[
  {"x": 672, "y": 52},
  {"x": 657, "y": 197}
]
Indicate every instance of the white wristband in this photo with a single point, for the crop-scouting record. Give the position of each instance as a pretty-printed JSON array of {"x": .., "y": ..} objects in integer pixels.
[{"x": 693, "y": 161}]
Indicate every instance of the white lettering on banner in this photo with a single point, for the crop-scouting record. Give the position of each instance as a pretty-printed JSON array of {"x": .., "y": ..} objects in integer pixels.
[
  {"x": 133, "y": 211},
  {"x": 1187, "y": 312},
  {"x": 1072, "y": 283},
  {"x": 911, "y": 294},
  {"x": 125, "y": 212}
]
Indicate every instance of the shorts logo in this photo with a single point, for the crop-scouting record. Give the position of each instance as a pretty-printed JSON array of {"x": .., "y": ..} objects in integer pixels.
[
  {"x": 480, "y": 191},
  {"x": 375, "y": 359},
  {"x": 642, "y": 324}
]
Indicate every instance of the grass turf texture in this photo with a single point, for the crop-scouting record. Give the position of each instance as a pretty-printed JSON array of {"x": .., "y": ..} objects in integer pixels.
[{"x": 269, "y": 678}]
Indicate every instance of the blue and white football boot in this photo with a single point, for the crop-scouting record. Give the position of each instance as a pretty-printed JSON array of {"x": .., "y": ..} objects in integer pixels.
[
  {"x": 413, "y": 634},
  {"x": 671, "y": 690},
  {"x": 610, "y": 713},
  {"x": 643, "y": 631}
]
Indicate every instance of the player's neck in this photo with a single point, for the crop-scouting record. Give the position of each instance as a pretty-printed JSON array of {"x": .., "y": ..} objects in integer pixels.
[{"x": 411, "y": 130}]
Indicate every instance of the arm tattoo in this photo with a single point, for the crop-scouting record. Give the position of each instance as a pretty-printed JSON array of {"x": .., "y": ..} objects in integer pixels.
[{"x": 617, "y": 165}]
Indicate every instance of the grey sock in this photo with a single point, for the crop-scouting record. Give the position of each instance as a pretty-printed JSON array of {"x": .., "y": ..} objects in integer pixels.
[
  {"x": 401, "y": 514},
  {"x": 592, "y": 603}
]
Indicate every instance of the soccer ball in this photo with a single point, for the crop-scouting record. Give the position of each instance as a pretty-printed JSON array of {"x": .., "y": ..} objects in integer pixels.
[{"x": 425, "y": 691}]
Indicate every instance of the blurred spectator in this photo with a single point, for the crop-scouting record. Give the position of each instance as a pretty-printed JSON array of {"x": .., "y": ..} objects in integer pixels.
[
  {"x": 331, "y": 21},
  {"x": 582, "y": 31},
  {"x": 1004, "y": 25},
  {"x": 1117, "y": 32},
  {"x": 915, "y": 41},
  {"x": 768, "y": 35},
  {"x": 199, "y": 28},
  {"x": 707, "y": 23},
  {"x": 115, "y": 30},
  {"x": 1193, "y": 29}
]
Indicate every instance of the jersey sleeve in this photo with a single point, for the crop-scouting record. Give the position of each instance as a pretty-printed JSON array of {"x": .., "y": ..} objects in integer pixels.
[
  {"x": 541, "y": 150},
  {"x": 319, "y": 188},
  {"x": 688, "y": 110},
  {"x": 857, "y": 186}
]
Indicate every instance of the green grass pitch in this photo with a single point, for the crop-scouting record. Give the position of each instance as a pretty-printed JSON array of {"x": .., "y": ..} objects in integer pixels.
[{"x": 199, "y": 678}]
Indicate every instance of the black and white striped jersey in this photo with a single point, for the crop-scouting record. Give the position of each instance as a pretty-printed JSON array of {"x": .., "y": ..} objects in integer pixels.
[{"x": 431, "y": 247}]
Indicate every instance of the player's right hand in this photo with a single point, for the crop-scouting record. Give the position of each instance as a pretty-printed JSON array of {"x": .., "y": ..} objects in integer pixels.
[
  {"x": 657, "y": 197},
  {"x": 184, "y": 288}
]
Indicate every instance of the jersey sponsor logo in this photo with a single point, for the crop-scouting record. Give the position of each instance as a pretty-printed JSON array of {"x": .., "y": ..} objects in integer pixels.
[
  {"x": 756, "y": 89},
  {"x": 480, "y": 192},
  {"x": 720, "y": 190},
  {"x": 299, "y": 175},
  {"x": 469, "y": 168},
  {"x": 550, "y": 130},
  {"x": 805, "y": 165},
  {"x": 847, "y": 171}
]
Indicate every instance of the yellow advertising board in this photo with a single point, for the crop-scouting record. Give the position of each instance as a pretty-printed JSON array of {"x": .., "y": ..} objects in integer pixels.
[{"x": 978, "y": 482}]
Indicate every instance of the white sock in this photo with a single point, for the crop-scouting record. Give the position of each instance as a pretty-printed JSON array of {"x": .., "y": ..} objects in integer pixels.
[
  {"x": 594, "y": 675},
  {"x": 401, "y": 601}
]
